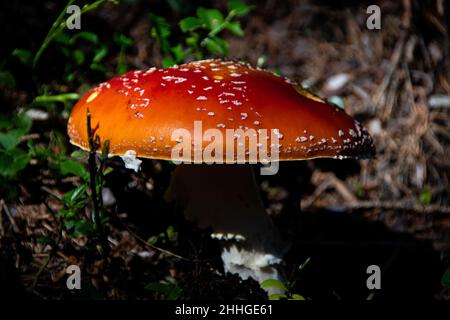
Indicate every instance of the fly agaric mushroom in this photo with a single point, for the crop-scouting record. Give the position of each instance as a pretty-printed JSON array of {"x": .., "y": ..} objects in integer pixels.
[{"x": 141, "y": 113}]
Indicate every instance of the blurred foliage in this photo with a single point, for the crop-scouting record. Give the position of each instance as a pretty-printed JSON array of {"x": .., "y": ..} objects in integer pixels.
[
  {"x": 202, "y": 33},
  {"x": 168, "y": 288},
  {"x": 284, "y": 288},
  {"x": 78, "y": 219},
  {"x": 425, "y": 196},
  {"x": 13, "y": 157},
  {"x": 170, "y": 235},
  {"x": 446, "y": 279},
  {"x": 60, "y": 24}
]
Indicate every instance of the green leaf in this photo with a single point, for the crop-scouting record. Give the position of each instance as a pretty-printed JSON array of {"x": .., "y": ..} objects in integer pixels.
[
  {"x": 25, "y": 56},
  {"x": 78, "y": 154},
  {"x": 78, "y": 193},
  {"x": 12, "y": 162},
  {"x": 168, "y": 62},
  {"x": 122, "y": 40},
  {"x": 169, "y": 290},
  {"x": 98, "y": 67},
  {"x": 178, "y": 53},
  {"x": 239, "y": 8},
  {"x": 296, "y": 296},
  {"x": 190, "y": 23},
  {"x": 7, "y": 79},
  {"x": 425, "y": 196},
  {"x": 162, "y": 26},
  {"x": 192, "y": 41},
  {"x": 170, "y": 232},
  {"x": 86, "y": 35},
  {"x": 21, "y": 160},
  {"x": 10, "y": 139},
  {"x": 273, "y": 284},
  {"x": 69, "y": 224},
  {"x": 23, "y": 122},
  {"x": 40, "y": 152},
  {"x": 82, "y": 228},
  {"x": 216, "y": 45},
  {"x": 235, "y": 28},
  {"x": 63, "y": 38},
  {"x": 100, "y": 54},
  {"x": 212, "y": 17},
  {"x": 446, "y": 278},
  {"x": 74, "y": 195},
  {"x": 304, "y": 264},
  {"x": 78, "y": 56},
  {"x": 73, "y": 167},
  {"x": 46, "y": 240},
  {"x": 277, "y": 296},
  {"x": 160, "y": 31},
  {"x": 121, "y": 69},
  {"x": 153, "y": 240},
  {"x": 6, "y": 122},
  {"x": 16, "y": 127}
]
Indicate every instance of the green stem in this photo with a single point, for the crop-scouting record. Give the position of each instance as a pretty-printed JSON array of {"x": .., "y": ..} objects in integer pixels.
[
  {"x": 219, "y": 28},
  {"x": 57, "y": 98},
  {"x": 59, "y": 26}
]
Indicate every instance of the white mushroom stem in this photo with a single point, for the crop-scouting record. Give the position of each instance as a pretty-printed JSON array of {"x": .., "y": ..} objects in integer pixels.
[{"x": 227, "y": 198}]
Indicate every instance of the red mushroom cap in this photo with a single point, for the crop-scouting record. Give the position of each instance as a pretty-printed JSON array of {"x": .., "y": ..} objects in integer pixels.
[{"x": 140, "y": 110}]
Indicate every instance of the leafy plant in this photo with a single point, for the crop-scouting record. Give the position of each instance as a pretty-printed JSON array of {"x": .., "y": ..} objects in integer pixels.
[
  {"x": 83, "y": 51},
  {"x": 168, "y": 288},
  {"x": 285, "y": 288},
  {"x": 124, "y": 43},
  {"x": 7, "y": 79},
  {"x": 59, "y": 25},
  {"x": 169, "y": 235},
  {"x": 13, "y": 158},
  {"x": 202, "y": 33},
  {"x": 75, "y": 201}
]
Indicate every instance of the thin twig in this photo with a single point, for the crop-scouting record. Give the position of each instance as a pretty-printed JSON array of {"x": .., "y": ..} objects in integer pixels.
[
  {"x": 2, "y": 230},
  {"x": 377, "y": 100},
  {"x": 151, "y": 245},
  {"x": 137, "y": 237},
  {"x": 51, "y": 192},
  {"x": 10, "y": 217},
  {"x": 41, "y": 269},
  {"x": 385, "y": 205}
]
